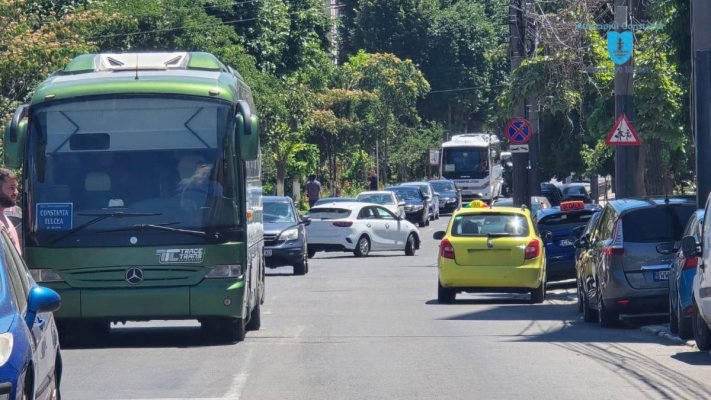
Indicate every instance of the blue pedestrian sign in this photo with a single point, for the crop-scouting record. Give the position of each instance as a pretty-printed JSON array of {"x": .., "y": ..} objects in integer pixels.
[
  {"x": 518, "y": 131},
  {"x": 619, "y": 46}
]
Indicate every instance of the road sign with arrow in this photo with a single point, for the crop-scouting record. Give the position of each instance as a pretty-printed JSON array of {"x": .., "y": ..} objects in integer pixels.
[{"x": 622, "y": 133}]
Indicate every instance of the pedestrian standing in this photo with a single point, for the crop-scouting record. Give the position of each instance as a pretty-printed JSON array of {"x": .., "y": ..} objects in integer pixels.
[
  {"x": 9, "y": 190},
  {"x": 313, "y": 190},
  {"x": 372, "y": 180}
]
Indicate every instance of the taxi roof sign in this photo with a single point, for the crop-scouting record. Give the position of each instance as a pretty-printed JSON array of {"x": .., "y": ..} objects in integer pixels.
[
  {"x": 476, "y": 204},
  {"x": 572, "y": 205}
]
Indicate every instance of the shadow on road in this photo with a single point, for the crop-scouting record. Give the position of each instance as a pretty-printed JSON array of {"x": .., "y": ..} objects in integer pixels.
[
  {"x": 146, "y": 337},
  {"x": 694, "y": 357}
]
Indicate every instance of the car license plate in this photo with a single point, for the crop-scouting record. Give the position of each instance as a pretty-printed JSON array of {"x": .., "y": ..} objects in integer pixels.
[
  {"x": 660, "y": 276},
  {"x": 565, "y": 243},
  {"x": 267, "y": 252}
]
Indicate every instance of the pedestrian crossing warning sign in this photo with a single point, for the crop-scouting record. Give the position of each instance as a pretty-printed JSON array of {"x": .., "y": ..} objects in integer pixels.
[{"x": 622, "y": 133}]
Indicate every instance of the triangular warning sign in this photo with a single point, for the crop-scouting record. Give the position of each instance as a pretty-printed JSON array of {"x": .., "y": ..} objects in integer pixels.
[{"x": 622, "y": 133}]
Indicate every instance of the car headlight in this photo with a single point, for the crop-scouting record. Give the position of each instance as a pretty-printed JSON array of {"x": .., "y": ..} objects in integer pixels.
[
  {"x": 6, "y": 342},
  {"x": 224, "y": 271},
  {"x": 46, "y": 275},
  {"x": 451, "y": 200},
  {"x": 289, "y": 234},
  {"x": 417, "y": 207}
]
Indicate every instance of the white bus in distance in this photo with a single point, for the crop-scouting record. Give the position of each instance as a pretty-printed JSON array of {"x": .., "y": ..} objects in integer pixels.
[{"x": 469, "y": 160}]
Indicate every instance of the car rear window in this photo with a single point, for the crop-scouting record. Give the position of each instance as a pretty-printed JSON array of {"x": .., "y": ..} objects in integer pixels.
[
  {"x": 328, "y": 213},
  {"x": 499, "y": 224},
  {"x": 658, "y": 224},
  {"x": 376, "y": 198},
  {"x": 564, "y": 221}
]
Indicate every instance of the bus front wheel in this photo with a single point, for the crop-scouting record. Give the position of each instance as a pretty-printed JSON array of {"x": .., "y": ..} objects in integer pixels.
[{"x": 232, "y": 329}]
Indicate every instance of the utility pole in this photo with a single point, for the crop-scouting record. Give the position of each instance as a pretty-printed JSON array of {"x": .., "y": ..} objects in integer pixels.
[
  {"x": 701, "y": 95},
  {"x": 534, "y": 148},
  {"x": 520, "y": 160},
  {"x": 626, "y": 157}
]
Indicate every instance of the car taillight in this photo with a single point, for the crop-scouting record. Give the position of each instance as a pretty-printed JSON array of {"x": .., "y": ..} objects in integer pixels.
[
  {"x": 343, "y": 224},
  {"x": 616, "y": 248},
  {"x": 532, "y": 250},
  {"x": 690, "y": 263},
  {"x": 446, "y": 250}
]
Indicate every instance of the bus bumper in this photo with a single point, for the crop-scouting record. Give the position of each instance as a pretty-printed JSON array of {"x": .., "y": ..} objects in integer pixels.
[{"x": 211, "y": 298}]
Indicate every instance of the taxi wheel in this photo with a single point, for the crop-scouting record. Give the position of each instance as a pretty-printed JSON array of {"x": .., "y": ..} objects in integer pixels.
[
  {"x": 445, "y": 295},
  {"x": 362, "y": 247},
  {"x": 539, "y": 294},
  {"x": 702, "y": 334},
  {"x": 410, "y": 245}
]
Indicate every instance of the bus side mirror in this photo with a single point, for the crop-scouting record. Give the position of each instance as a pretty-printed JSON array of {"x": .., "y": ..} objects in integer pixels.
[
  {"x": 14, "y": 138},
  {"x": 247, "y": 132}
]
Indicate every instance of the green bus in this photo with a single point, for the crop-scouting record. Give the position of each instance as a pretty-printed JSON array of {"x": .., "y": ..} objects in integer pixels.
[{"x": 141, "y": 192}]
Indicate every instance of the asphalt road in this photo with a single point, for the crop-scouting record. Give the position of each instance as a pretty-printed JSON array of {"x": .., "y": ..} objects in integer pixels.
[{"x": 371, "y": 328}]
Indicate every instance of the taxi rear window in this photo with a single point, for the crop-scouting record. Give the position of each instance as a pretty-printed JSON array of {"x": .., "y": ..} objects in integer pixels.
[
  {"x": 328, "y": 213},
  {"x": 490, "y": 224}
]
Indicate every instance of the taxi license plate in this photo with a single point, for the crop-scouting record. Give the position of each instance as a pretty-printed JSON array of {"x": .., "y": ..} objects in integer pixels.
[
  {"x": 267, "y": 252},
  {"x": 660, "y": 276}
]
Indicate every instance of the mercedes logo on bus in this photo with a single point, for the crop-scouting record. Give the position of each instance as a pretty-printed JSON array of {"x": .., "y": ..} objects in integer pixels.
[{"x": 134, "y": 276}]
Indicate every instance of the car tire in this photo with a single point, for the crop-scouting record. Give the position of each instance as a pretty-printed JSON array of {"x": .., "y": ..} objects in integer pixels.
[
  {"x": 445, "y": 295},
  {"x": 579, "y": 293},
  {"x": 301, "y": 268},
  {"x": 673, "y": 316},
  {"x": 411, "y": 245},
  {"x": 311, "y": 253},
  {"x": 605, "y": 317},
  {"x": 362, "y": 247},
  {"x": 589, "y": 315},
  {"x": 54, "y": 386},
  {"x": 538, "y": 295},
  {"x": 684, "y": 328},
  {"x": 255, "y": 319},
  {"x": 702, "y": 334}
]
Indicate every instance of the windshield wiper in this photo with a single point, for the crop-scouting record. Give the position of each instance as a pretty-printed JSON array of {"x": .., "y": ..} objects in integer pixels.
[
  {"x": 164, "y": 227},
  {"x": 100, "y": 217}
]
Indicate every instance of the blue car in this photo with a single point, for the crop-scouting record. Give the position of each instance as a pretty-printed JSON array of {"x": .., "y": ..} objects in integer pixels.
[
  {"x": 30, "y": 361},
  {"x": 681, "y": 280},
  {"x": 560, "y": 227}
]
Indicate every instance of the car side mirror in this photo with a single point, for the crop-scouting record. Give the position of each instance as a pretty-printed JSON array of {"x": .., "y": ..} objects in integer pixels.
[
  {"x": 689, "y": 247},
  {"x": 306, "y": 221},
  {"x": 41, "y": 299},
  {"x": 426, "y": 196},
  {"x": 439, "y": 235}
]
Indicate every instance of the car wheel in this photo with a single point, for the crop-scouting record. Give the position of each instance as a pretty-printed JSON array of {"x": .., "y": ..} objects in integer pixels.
[
  {"x": 28, "y": 387},
  {"x": 605, "y": 317},
  {"x": 445, "y": 295},
  {"x": 579, "y": 292},
  {"x": 427, "y": 223},
  {"x": 255, "y": 319},
  {"x": 410, "y": 245},
  {"x": 311, "y": 253},
  {"x": 302, "y": 267},
  {"x": 538, "y": 295},
  {"x": 421, "y": 224},
  {"x": 362, "y": 247},
  {"x": 684, "y": 328},
  {"x": 589, "y": 315},
  {"x": 702, "y": 335},
  {"x": 54, "y": 387},
  {"x": 673, "y": 317}
]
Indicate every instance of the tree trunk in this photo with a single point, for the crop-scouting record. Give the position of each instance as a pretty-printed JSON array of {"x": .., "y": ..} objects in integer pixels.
[
  {"x": 280, "y": 177},
  {"x": 655, "y": 176},
  {"x": 639, "y": 187},
  {"x": 296, "y": 189}
]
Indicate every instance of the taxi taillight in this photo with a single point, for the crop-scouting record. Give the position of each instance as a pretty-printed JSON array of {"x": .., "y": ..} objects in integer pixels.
[
  {"x": 446, "y": 250},
  {"x": 532, "y": 250}
]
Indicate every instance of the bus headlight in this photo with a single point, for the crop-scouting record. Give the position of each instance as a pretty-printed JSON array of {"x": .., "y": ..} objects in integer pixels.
[
  {"x": 224, "y": 271},
  {"x": 6, "y": 342},
  {"x": 46, "y": 275},
  {"x": 289, "y": 234}
]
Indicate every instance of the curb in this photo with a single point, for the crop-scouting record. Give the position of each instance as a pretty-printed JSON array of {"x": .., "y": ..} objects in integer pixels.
[{"x": 663, "y": 332}]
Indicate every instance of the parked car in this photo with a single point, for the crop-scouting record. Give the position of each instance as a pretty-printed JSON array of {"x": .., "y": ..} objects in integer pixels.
[
  {"x": 631, "y": 251},
  {"x": 433, "y": 205},
  {"x": 385, "y": 198},
  {"x": 552, "y": 193},
  {"x": 557, "y": 226},
  {"x": 284, "y": 235},
  {"x": 490, "y": 249},
  {"x": 360, "y": 228},
  {"x": 30, "y": 358},
  {"x": 681, "y": 280},
  {"x": 576, "y": 191},
  {"x": 327, "y": 200},
  {"x": 701, "y": 288},
  {"x": 416, "y": 203},
  {"x": 450, "y": 198},
  {"x": 537, "y": 203},
  {"x": 582, "y": 258}
]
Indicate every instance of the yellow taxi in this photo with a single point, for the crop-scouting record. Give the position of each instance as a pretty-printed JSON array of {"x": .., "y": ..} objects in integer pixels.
[{"x": 487, "y": 249}]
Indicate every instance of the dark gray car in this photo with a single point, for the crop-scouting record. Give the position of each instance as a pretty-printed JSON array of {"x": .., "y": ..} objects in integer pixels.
[
  {"x": 284, "y": 235},
  {"x": 427, "y": 189},
  {"x": 631, "y": 250}
]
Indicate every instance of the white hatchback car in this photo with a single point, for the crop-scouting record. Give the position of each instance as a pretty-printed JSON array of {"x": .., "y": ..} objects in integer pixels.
[
  {"x": 360, "y": 228},
  {"x": 386, "y": 199}
]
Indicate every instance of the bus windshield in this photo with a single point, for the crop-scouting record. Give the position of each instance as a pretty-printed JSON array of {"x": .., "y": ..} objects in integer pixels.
[
  {"x": 164, "y": 162},
  {"x": 465, "y": 162}
]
